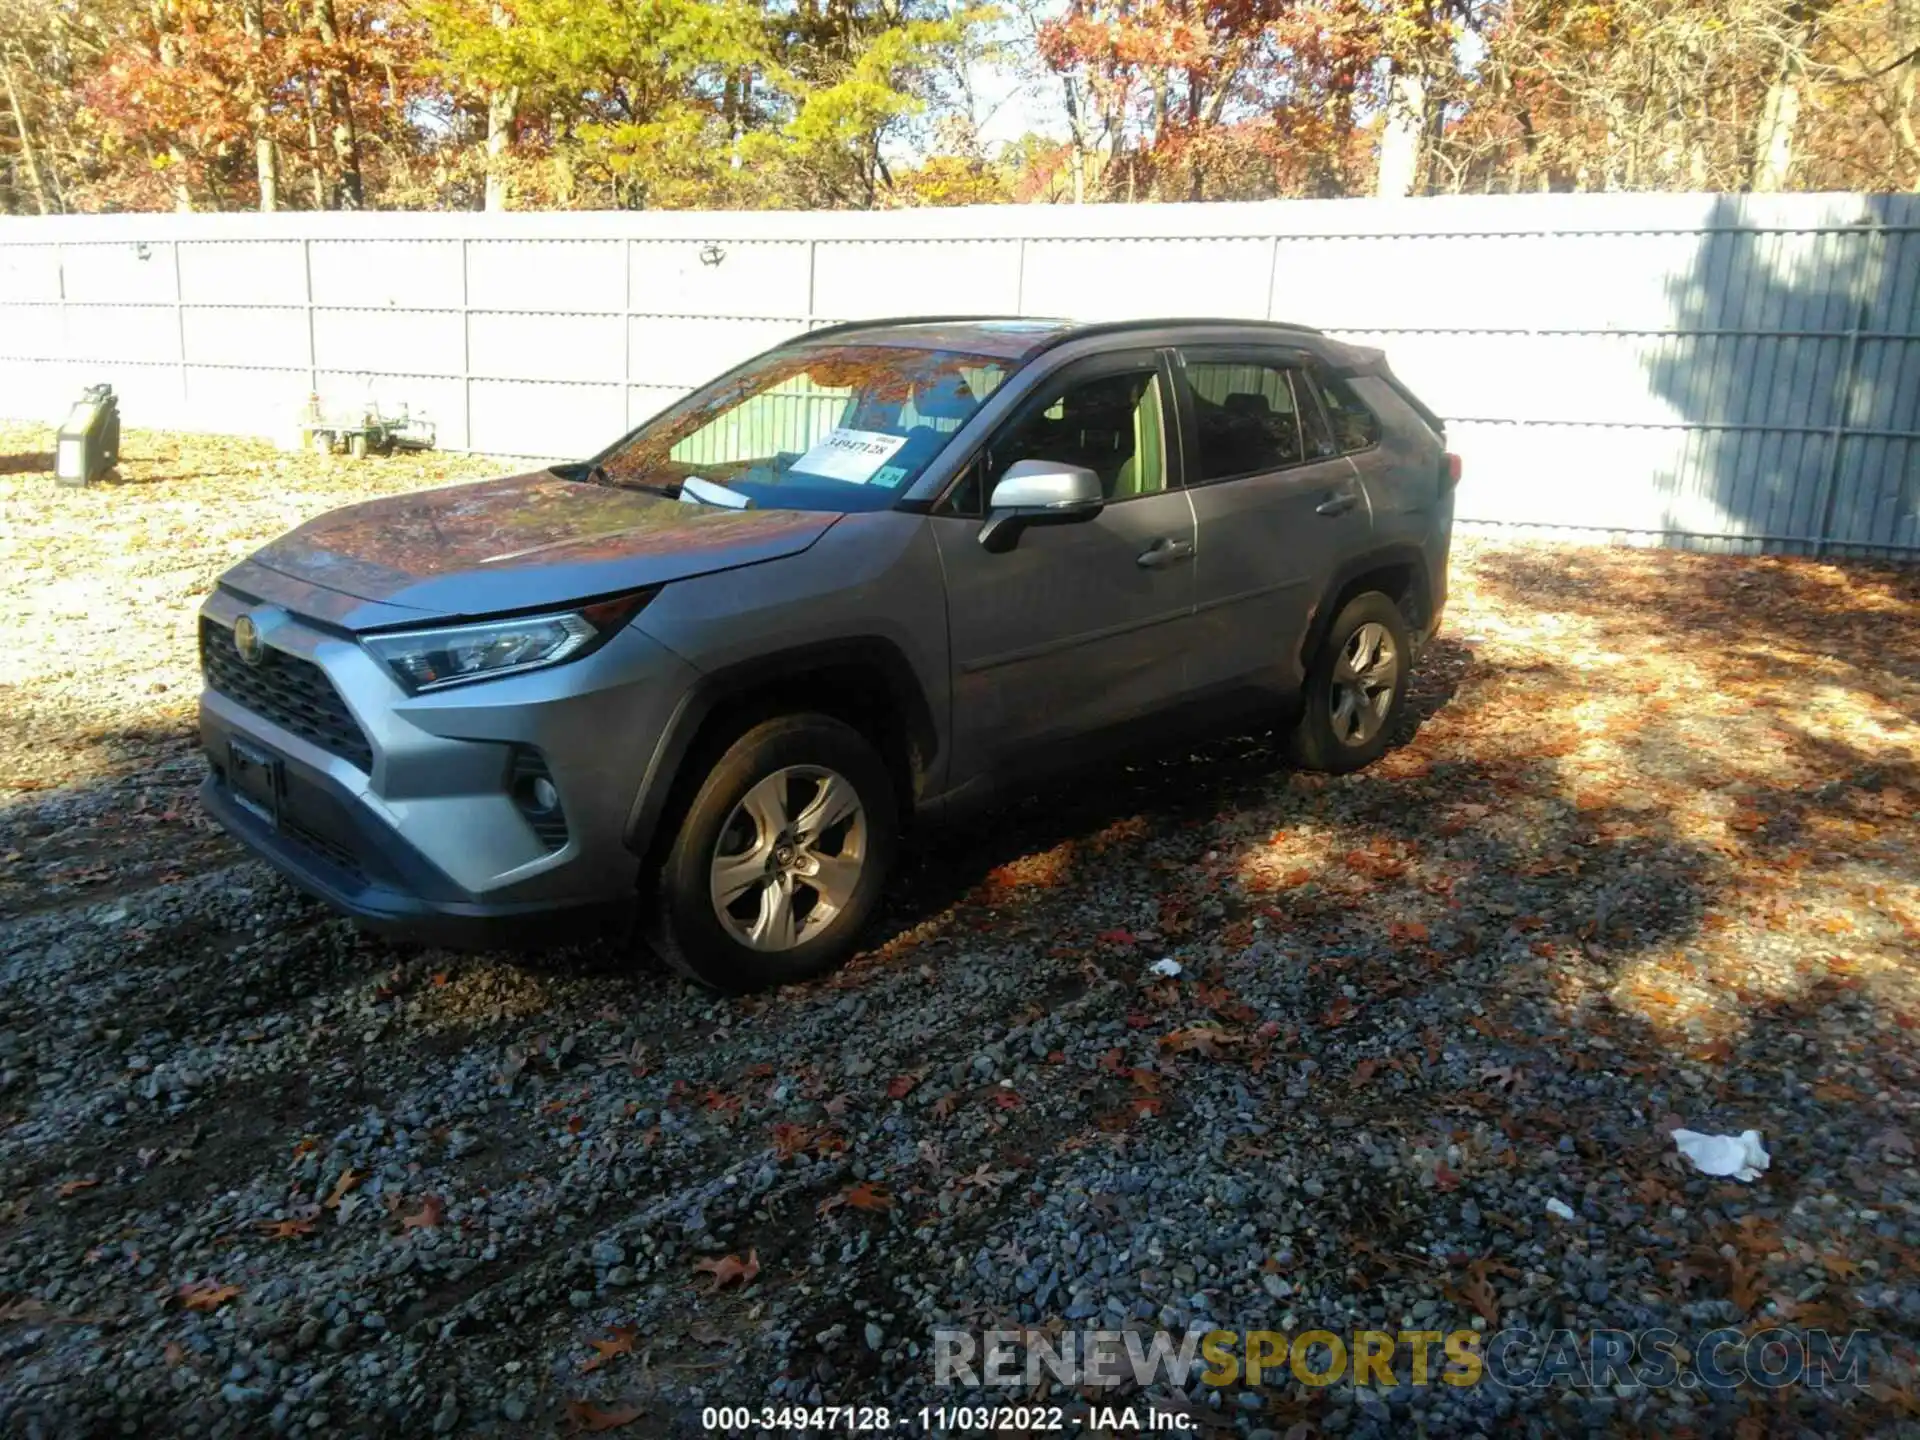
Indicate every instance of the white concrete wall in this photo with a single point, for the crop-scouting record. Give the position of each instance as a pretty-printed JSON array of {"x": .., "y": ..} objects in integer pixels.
[{"x": 1671, "y": 366}]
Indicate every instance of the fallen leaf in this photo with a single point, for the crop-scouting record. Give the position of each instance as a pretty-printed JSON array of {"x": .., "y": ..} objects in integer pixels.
[
  {"x": 284, "y": 1229},
  {"x": 731, "y": 1269},
  {"x": 584, "y": 1416},
  {"x": 207, "y": 1295},
  {"x": 428, "y": 1217},
  {"x": 1338, "y": 1013},
  {"x": 901, "y": 1086},
  {"x": 74, "y": 1187},
  {"x": 348, "y": 1179},
  {"x": 1478, "y": 1292},
  {"x": 1204, "y": 1040},
  {"x": 618, "y": 1344}
]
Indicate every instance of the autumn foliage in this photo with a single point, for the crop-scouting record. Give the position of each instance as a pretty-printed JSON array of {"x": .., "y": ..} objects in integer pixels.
[{"x": 459, "y": 104}]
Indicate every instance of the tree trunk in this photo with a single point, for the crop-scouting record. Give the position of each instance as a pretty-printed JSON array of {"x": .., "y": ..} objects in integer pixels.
[
  {"x": 1773, "y": 131},
  {"x": 1077, "y": 140},
  {"x": 26, "y": 141},
  {"x": 346, "y": 142},
  {"x": 502, "y": 104},
  {"x": 317, "y": 172},
  {"x": 167, "y": 51},
  {"x": 1402, "y": 134},
  {"x": 266, "y": 160}
]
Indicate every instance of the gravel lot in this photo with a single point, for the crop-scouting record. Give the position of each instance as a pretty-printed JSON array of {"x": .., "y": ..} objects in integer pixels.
[{"x": 1647, "y": 855}]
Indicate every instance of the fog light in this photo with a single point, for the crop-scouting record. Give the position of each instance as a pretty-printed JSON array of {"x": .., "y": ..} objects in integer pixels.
[
  {"x": 536, "y": 797},
  {"x": 89, "y": 442}
]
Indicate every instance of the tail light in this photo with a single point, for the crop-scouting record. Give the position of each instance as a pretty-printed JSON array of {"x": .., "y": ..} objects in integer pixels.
[{"x": 1453, "y": 470}]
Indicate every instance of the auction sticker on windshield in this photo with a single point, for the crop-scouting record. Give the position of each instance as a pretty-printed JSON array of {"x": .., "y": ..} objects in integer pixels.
[{"x": 851, "y": 455}]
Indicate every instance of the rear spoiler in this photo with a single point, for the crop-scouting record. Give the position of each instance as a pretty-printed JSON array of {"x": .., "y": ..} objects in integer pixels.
[{"x": 1374, "y": 363}]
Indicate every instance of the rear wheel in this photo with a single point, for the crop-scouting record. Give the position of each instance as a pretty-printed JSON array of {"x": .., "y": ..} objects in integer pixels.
[
  {"x": 1356, "y": 687},
  {"x": 780, "y": 858}
]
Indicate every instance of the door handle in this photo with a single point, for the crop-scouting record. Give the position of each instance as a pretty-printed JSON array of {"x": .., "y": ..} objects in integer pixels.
[
  {"x": 1163, "y": 552},
  {"x": 1337, "y": 504}
]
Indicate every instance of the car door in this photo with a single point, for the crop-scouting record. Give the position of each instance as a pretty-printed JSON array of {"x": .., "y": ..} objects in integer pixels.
[
  {"x": 1277, "y": 507},
  {"x": 1078, "y": 627}
]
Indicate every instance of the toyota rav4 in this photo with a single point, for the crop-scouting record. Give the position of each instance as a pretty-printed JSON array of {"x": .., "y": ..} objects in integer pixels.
[{"x": 872, "y": 573}]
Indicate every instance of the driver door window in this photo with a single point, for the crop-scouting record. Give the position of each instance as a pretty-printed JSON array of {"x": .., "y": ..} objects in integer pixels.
[{"x": 1114, "y": 425}]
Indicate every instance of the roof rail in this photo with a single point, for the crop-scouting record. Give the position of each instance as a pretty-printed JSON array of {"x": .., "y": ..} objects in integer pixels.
[
  {"x": 1120, "y": 327},
  {"x": 1069, "y": 331},
  {"x": 882, "y": 322}
]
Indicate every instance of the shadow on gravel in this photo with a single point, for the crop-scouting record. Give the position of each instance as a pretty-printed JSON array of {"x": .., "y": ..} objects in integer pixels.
[
  {"x": 1191, "y": 785},
  {"x": 27, "y": 463}
]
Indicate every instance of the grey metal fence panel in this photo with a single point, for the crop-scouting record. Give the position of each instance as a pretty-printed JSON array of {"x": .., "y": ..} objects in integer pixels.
[{"x": 1728, "y": 372}]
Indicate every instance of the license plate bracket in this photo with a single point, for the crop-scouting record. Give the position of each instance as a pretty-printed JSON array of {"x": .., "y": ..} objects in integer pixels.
[{"x": 257, "y": 779}]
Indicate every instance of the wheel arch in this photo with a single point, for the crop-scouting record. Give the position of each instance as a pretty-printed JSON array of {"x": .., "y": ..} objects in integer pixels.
[
  {"x": 1398, "y": 571},
  {"x": 866, "y": 681}
]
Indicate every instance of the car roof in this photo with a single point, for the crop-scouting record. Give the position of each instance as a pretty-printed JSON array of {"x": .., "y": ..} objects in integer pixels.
[{"x": 1016, "y": 337}]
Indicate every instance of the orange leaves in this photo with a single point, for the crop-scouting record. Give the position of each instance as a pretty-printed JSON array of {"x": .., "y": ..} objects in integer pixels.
[
  {"x": 1477, "y": 1291},
  {"x": 866, "y": 1195},
  {"x": 619, "y": 1343},
  {"x": 730, "y": 1270},
  {"x": 1374, "y": 865},
  {"x": 71, "y": 1188},
  {"x": 428, "y": 1217},
  {"x": 902, "y": 1086},
  {"x": 206, "y": 1295},
  {"x": 1410, "y": 932},
  {"x": 584, "y": 1417},
  {"x": 290, "y": 1229},
  {"x": 1206, "y": 1040},
  {"x": 1338, "y": 1013},
  {"x": 348, "y": 1179}
]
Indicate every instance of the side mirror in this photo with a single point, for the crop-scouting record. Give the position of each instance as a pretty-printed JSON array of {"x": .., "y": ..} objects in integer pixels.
[{"x": 1039, "y": 492}]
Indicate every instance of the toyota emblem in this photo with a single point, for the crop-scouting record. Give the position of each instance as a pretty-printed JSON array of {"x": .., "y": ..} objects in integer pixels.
[{"x": 246, "y": 641}]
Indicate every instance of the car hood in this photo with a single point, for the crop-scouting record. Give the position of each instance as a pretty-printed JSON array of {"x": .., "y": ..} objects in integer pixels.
[{"x": 517, "y": 543}]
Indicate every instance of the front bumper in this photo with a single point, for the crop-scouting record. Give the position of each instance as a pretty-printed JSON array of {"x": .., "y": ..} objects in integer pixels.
[
  {"x": 381, "y": 882},
  {"x": 401, "y": 810}
]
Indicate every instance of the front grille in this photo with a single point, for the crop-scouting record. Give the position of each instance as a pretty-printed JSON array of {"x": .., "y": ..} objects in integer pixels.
[
  {"x": 339, "y": 857},
  {"x": 294, "y": 694}
]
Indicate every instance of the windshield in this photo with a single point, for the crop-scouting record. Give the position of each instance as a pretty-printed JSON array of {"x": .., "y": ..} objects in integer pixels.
[{"x": 842, "y": 427}]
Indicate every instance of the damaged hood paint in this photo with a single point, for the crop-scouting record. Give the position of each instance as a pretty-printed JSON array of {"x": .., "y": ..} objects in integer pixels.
[{"x": 516, "y": 543}]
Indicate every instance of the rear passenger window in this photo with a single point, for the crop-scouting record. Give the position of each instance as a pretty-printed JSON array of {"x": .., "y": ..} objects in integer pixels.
[
  {"x": 1247, "y": 418},
  {"x": 1353, "y": 424}
]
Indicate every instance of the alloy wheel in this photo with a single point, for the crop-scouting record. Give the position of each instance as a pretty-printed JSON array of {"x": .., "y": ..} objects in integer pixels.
[
  {"x": 1364, "y": 680},
  {"x": 789, "y": 858}
]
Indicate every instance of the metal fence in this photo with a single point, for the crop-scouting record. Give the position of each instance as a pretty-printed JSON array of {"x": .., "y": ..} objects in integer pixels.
[{"x": 1737, "y": 372}]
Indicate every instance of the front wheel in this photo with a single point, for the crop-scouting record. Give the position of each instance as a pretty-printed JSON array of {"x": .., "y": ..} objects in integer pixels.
[
  {"x": 780, "y": 858},
  {"x": 1356, "y": 687}
]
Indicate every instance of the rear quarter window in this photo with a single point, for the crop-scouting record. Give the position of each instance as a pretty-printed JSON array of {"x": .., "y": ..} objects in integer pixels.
[{"x": 1355, "y": 427}]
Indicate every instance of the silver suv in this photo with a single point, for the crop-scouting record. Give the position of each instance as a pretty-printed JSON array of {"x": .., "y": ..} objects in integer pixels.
[{"x": 872, "y": 573}]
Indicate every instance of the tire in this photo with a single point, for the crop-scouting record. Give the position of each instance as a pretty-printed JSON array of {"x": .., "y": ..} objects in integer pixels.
[
  {"x": 1336, "y": 732},
  {"x": 780, "y": 769}
]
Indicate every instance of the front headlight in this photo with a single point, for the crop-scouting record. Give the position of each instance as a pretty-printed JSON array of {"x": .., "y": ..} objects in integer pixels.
[{"x": 454, "y": 654}]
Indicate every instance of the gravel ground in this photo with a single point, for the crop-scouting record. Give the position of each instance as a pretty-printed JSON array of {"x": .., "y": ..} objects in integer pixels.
[{"x": 1646, "y": 855}]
